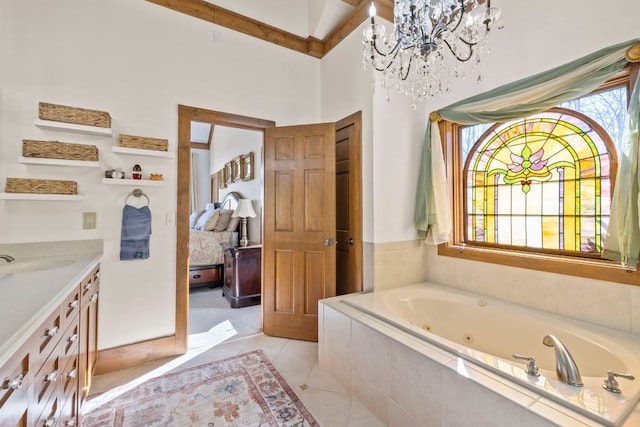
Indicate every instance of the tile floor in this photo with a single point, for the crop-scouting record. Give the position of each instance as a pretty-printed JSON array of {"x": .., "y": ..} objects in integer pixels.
[{"x": 297, "y": 361}]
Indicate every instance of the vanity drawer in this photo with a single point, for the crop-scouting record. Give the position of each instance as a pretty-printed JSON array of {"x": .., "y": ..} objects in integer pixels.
[
  {"x": 69, "y": 343},
  {"x": 49, "y": 415},
  {"x": 69, "y": 377},
  {"x": 70, "y": 308},
  {"x": 90, "y": 283},
  {"x": 45, "y": 383},
  {"x": 15, "y": 388},
  {"x": 69, "y": 414},
  {"x": 47, "y": 337}
]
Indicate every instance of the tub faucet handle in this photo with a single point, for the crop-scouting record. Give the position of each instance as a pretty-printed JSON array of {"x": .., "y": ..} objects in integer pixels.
[
  {"x": 531, "y": 368},
  {"x": 610, "y": 384}
]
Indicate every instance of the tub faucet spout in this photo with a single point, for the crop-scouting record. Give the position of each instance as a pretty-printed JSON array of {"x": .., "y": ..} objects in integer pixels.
[
  {"x": 7, "y": 258},
  {"x": 566, "y": 368}
]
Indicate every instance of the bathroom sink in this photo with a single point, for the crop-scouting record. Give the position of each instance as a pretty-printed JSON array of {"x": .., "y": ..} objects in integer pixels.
[{"x": 29, "y": 265}]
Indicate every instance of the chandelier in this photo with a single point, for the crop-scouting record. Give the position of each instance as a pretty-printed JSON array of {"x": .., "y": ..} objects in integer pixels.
[{"x": 429, "y": 42}]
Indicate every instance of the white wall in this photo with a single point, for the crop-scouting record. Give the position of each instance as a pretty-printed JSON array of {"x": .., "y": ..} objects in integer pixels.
[
  {"x": 228, "y": 143},
  {"x": 137, "y": 61}
]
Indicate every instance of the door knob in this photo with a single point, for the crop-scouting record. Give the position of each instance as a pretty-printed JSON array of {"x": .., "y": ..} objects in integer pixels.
[
  {"x": 349, "y": 241},
  {"x": 328, "y": 242}
]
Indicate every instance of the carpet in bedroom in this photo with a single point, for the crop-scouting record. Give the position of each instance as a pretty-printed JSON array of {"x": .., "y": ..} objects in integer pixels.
[{"x": 212, "y": 320}]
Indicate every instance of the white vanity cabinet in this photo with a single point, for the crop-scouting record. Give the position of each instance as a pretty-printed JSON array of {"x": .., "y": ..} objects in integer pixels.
[{"x": 45, "y": 382}]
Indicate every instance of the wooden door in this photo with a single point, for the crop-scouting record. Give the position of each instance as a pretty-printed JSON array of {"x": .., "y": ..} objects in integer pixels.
[
  {"x": 348, "y": 206},
  {"x": 299, "y": 253}
]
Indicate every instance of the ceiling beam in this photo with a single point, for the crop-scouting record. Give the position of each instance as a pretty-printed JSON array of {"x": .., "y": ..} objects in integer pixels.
[
  {"x": 354, "y": 2},
  {"x": 206, "y": 11},
  {"x": 217, "y": 15},
  {"x": 353, "y": 21}
]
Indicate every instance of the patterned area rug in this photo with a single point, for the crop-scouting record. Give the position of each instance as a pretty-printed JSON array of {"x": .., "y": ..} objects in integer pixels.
[{"x": 244, "y": 390}]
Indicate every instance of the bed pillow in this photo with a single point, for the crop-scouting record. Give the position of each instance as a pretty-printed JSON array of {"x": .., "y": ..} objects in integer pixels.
[
  {"x": 208, "y": 220},
  {"x": 193, "y": 218},
  {"x": 233, "y": 224},
  {"x": 223, "y": 220}
]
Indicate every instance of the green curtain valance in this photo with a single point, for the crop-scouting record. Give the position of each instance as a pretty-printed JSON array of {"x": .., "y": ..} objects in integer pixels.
[{"x": 518, "y": 99}]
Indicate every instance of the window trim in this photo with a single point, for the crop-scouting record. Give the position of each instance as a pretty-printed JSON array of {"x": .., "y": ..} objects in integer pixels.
[{"x": 599, "y": 269}]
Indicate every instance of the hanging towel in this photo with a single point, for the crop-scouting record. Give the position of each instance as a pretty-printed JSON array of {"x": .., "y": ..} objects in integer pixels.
[{"x": 136, "y": 232}]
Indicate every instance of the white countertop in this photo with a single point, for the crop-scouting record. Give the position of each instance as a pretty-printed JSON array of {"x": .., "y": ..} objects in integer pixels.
[{"x": 28, "y": 299}]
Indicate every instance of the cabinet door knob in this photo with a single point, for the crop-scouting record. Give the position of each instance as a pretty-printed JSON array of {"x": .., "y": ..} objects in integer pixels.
[
  {"x": 52, "y": 377},
  {"x": 14, "y": 384},
  {"x": 94, "y": 298},
  {"x": 74, "y": 304},
  {"x": 52, "y": 332}
]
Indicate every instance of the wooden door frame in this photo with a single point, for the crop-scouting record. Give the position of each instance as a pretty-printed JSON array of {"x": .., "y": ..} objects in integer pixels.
[{"x": 186, "y": 114}]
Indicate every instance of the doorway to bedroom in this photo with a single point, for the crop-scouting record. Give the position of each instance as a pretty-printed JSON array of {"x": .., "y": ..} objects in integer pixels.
[
  {"x": 347, "y": 210},
  {"x": 221, "y": 156}
]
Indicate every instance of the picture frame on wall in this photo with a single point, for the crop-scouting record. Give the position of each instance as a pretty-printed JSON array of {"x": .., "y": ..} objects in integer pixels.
[
  {"x": 228, "y": 172},
  {"x": 238, "y": 168},
  {"x": 222, "y": 178},
  {"x": 248, "y": 167}
]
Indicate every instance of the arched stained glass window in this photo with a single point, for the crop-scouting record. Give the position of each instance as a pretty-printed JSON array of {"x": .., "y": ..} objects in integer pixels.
[{"x": 541, "y": 182}]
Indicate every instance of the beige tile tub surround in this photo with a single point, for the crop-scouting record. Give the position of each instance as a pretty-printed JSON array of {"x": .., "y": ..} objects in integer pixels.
[
  {"x": 612, "y": 305},
  {"x": 407, "y": 382},
  {"x": 398, "y": 263}
]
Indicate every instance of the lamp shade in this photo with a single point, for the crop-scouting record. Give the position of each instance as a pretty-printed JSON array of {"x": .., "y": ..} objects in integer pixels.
[{"x": 244, "y": 209}]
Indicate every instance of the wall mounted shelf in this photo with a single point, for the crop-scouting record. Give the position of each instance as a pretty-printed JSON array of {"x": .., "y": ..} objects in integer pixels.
[
  {"x": 142, "y": 152},
  {"x": 58, "y": 162},
  {"x": 135, "y": 182},
  {"x": 33, "y": 196},
  {"x": 72, "y": 127}
]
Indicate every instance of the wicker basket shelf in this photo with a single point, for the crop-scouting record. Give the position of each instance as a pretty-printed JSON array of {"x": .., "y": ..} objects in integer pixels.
[
  {"x": 59, "y": 150},
  {"x": 41, "y": 186},
  {"x": 80, "y": 116},
  {"x": 145, "y": 143}
]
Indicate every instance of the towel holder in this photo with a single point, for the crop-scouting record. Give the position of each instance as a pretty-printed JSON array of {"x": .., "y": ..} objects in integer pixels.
[{"x": 137, "y": 193}]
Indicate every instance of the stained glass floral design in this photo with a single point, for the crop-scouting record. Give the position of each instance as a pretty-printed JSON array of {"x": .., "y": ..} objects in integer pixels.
[{"x": 542, "y": 181}]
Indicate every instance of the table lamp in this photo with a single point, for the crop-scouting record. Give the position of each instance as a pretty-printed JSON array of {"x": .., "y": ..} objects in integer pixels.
[{"x": 244, "y": 211}]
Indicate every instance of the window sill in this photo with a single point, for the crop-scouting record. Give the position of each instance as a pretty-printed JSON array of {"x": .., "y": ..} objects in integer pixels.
[{"x": 593, "y": 269}]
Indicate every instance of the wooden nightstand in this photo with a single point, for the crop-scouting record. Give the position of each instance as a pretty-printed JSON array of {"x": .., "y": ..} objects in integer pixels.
[{"x": 242, "y": 275}]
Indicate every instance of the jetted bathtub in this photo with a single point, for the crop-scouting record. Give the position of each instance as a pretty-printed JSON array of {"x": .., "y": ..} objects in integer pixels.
[{"x": 488, "y": 332}]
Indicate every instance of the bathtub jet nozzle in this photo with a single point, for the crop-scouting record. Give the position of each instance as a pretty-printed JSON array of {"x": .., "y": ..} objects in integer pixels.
[{"x": 566, "y": 369}]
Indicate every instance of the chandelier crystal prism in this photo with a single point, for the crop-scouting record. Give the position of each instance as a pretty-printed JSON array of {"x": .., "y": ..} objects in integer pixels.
[{"x": 433, "y": 42}]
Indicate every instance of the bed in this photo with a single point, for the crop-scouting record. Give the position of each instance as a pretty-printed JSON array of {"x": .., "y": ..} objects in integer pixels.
[{"x": 206, "y": 248}]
